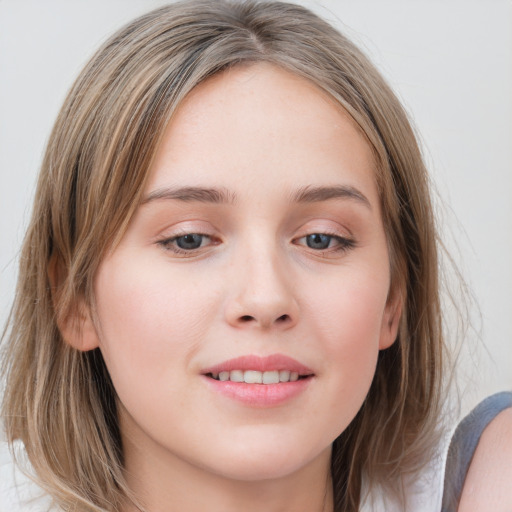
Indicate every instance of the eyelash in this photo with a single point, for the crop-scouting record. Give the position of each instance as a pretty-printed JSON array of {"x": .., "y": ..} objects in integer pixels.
[
  {"x": 169, "y": 244},
  {"x": 343, "y": 244}
]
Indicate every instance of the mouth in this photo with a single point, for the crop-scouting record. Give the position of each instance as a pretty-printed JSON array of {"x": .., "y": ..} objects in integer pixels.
[
  {"x": 266, "y": 374},
  {"x": 260, "y": 382},
  {"x": 258, "y": 377}
]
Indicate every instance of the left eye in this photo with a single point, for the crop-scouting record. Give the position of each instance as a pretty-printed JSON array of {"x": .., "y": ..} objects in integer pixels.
[
  {"x": 324, "y": 242},
  {"x": 318, "y": 241}
]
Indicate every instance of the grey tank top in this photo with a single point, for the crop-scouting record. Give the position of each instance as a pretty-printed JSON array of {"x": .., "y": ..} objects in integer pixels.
[{"x": 464, "y": 443}]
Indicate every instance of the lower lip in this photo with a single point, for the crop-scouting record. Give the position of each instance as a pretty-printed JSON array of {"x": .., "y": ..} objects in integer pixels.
[{"x": 259, "y": 395}]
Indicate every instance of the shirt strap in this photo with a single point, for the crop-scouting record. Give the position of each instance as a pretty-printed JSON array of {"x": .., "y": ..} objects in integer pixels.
[{"x": 463, "y": 445}]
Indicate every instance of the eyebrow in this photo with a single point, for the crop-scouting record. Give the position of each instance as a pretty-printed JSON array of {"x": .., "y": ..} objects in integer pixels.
[
  {"x": 308, "y": 194},
  {"x": 311, "y": 194},
  {"x": 189, "y": 194}
]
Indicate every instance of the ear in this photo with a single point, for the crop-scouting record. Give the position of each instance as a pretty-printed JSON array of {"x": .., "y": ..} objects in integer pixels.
[
  {"x": 75, "y": 321},
  {"x": 77, "y": 328},
  {"x": 391, "y": 320}
]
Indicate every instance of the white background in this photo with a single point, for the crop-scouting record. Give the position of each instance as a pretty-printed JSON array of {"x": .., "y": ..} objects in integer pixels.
[{"x": 450, "y": 62}]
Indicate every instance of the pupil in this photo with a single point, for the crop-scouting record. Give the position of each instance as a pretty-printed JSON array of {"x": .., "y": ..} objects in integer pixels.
[
  {"x": 318, "y": 241},
  {"x": 192, "y": 241}
]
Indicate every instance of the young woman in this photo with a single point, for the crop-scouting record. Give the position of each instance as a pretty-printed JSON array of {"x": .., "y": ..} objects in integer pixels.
[{"x": 228, "y": 293}]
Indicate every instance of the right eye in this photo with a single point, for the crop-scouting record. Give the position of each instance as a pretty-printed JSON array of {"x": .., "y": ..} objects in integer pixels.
[{"x": 186, "y": 244}]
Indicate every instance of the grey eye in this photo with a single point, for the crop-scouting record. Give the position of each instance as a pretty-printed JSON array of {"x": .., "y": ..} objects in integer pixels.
[
  {"x": 318, "y": 241},
  {"x": 190, "y": 241}
]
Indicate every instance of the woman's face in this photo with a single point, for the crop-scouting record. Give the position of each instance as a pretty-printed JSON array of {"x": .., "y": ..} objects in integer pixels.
[{"x": 258, "y": 254}]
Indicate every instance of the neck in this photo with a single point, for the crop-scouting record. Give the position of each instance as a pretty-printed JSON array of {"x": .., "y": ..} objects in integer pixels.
[{"x": 172, "y": 484}]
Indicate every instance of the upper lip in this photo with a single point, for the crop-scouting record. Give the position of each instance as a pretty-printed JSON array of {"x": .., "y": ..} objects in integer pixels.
[{"x": 274, "y": 362}]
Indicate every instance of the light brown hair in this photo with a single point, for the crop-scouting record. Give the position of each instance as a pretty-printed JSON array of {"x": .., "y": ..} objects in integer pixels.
[{"x": 59, "y": 401}]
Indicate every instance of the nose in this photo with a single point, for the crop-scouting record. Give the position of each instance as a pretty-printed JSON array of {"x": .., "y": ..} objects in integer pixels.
[{"x": 262, "y": 294}]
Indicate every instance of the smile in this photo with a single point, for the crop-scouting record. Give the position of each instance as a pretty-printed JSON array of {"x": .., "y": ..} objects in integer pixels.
[
  {"x": 257, "y": 377},
  {"x": 257, "y": 381}
]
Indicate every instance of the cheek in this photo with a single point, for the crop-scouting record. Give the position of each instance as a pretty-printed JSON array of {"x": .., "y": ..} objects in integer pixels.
[
  {"x": 147, "y": 327},
  {"x": 347, "y": 320},
  {"x": 349, "y": 309}
]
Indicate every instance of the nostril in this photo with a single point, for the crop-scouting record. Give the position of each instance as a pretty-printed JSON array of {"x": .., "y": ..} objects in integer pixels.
[{"x": 245, "y": 319}]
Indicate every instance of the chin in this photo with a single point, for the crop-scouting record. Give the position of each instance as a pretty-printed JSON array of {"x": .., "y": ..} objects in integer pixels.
[
  {"x": 257, "y": 471},
  {"x": 267, "y": 463}
]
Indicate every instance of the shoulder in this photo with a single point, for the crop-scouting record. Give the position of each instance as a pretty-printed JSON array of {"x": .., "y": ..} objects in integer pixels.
[
  {"x": 17, "y": 492},
  {"x": 488, "y": 482},
  {"x": 479, "y": 463},
  {"x": 419, "y": 491}
]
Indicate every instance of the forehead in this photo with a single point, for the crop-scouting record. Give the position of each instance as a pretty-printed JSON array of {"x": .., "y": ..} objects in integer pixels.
[{"x": 260, "y": 122}]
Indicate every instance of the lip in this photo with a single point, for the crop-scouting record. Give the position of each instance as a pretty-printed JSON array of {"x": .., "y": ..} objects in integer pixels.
[
  {"x": 260, "y": 395},
  {"x": 274, "y": 362}
]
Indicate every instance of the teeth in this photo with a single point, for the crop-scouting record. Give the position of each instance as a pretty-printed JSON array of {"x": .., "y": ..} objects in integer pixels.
[
  {"x": 284, "y": 376},
  {"x": 236, "y": 376},
  {"x": 255, "y": 377},
  {"x": 270, "y": 377}
]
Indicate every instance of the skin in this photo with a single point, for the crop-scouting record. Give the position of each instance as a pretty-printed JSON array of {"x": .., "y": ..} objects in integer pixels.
[
  {"x": 487, "y": 485},
  {"x": 254, "y": 286}
]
